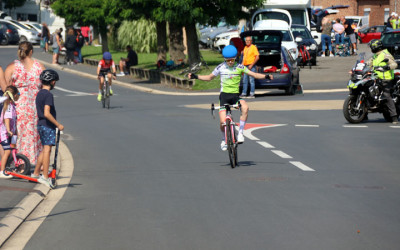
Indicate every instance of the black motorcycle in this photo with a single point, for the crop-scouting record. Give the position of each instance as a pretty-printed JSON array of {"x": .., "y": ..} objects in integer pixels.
[{"x": 366, "y": 94}]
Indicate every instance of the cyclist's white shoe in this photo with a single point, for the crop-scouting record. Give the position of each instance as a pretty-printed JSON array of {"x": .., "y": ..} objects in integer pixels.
[
  {"x": 240, "y": 137},
  {"x": 224, "y": 147}
]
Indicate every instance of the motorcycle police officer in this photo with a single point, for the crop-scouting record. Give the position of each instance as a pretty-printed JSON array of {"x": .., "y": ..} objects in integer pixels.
[{"x": 384, "y": 65}]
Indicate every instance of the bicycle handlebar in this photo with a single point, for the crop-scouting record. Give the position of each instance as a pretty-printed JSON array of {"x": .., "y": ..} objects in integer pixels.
[{"x": 226, "y": 106}]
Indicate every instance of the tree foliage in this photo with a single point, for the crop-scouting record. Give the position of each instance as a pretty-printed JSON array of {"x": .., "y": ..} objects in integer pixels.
[{"x": 140, "y": 34}]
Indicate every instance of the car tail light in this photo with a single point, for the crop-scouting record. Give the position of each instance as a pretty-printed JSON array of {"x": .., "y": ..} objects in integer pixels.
[
  {"x": 285, "y": 69},
  {"x": 397, "y": 73},
  {"x": 9, "y": 31}
]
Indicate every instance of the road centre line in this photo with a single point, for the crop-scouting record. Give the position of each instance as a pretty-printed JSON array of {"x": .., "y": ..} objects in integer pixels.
[
  {"x": 75, "y": 93},
  {"x": 305, "y": 125},
  {"x": 301, "y": 166},
  {"x": 355, "y": 126},
  {"x": 265, "y": 144},
  {"x": 281, "y": 154}
]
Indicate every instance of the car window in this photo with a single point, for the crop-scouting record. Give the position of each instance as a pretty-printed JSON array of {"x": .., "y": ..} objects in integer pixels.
[
  {"x": 286, "y": 36},
  {"x": 271, "y": 15},
  {"x": 380, "y": 29},
  {"x": 265, "y": 39},
  {"x": 301, "y": 32},
  {"x": 391, "y": 38},
  {"x": 20, "y": 25},
  {"x": 288, "y": 55}
]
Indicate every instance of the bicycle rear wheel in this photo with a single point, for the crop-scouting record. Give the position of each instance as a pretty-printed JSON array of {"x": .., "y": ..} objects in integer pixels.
[
  {"x": 24, "y": 165},
  {"x": 230, "y": 144}
]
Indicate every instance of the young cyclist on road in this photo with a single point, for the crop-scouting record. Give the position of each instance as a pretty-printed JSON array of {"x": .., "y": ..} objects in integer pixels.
[
  {"x": 230, "y": 73},
  {"x": 8, "y": 125},
  {"x": 106, "y": 66}
]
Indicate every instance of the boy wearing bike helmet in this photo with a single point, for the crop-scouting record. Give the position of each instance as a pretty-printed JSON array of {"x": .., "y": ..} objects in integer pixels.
[
  {"x": 230, "y": 73},
  {"x": 47, "y": 124},
  {"x": 384, "y": 65},
  {"x": 106, "y": 67}
]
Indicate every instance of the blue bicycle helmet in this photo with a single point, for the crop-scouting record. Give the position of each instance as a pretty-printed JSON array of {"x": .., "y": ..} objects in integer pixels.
[
  {"x": 107, "y": 56},
  {"x": 229, "y": 51}
]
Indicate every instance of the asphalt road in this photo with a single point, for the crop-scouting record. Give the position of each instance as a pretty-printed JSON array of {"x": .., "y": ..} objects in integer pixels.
[{"x": 149, "y": 174}]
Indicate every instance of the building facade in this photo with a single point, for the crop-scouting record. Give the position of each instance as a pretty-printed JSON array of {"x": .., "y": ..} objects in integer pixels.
[{"x": 378, "y": 11}]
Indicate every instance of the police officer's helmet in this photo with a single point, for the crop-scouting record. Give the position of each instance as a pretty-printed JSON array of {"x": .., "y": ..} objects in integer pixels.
[
  {"x": 48, "y": 75},
  {"x": 376, "y": 45}
]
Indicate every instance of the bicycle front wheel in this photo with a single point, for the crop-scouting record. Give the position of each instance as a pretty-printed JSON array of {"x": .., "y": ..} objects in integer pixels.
[
  {"x": 230, "y": 144},
  {"x": 22, "y": 166},
  {"x": 107, "y": 96}
]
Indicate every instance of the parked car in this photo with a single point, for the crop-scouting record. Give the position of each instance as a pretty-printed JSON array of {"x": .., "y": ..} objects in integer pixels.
[
  {"x": 33, "y": 25},
  {"x": 224, "y": 39},
  {"x": 283, "y": 27},
  {"x": 25, "y": 34},
  {"x": 358, "y": 22},
  {"x": 221, "y": 28},
  {"x": 391, "y": 42},
  {"x": 301, "y": 32},
  {"x": 9, "y": 33},
  {"x": 274, "y": 59},
  {"x": 367, "y": 34}
]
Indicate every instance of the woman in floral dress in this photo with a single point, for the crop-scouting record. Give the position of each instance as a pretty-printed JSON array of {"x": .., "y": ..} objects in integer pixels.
[{"x": 24, "y": 74}]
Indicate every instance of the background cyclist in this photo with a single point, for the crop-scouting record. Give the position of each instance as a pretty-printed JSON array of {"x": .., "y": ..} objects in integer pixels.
[
  {"x": 106, "y": 66},
  {"x": 230, "y": 73}
]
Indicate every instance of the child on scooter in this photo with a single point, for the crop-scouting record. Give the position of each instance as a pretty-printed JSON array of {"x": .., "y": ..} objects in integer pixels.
[
  {"x": 8, "y": 126},
  {"x": 47, "y": 124}
]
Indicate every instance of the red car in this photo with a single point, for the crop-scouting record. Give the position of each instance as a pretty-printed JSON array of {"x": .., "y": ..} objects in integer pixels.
[{"x": 367, "y": 34}]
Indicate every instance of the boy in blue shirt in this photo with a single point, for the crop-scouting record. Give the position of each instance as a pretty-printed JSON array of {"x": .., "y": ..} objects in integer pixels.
[{"x": 47, "y": 124}]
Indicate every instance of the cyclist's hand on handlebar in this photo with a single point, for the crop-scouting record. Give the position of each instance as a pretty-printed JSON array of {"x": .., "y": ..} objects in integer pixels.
[{"x": 193, "y": 76}]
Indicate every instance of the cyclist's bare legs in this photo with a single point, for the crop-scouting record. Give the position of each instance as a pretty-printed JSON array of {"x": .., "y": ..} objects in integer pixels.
[
  {"x": 245, "y": 110},
  {"x": 101, "y": 82},
  {"x": 110, "y": 77}
]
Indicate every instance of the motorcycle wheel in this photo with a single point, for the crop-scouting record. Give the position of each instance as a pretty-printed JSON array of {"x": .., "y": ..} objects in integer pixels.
[{"x": 349, "y": 111}]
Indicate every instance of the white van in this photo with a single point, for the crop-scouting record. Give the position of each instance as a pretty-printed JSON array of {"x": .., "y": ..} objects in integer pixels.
[{"x": 358, "y": 22}]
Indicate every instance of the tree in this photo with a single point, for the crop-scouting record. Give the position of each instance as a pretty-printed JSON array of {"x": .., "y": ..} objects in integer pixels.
[{"x": 99, "y": 13}]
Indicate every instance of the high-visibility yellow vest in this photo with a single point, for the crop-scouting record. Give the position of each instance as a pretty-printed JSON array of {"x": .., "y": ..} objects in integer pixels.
[
  {"x": 378, "y": 62},
  {"x": 394, "y": 24}
]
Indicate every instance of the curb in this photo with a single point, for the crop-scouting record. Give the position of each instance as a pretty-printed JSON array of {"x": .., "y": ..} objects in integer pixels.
[{"x": 10, "y": 223}]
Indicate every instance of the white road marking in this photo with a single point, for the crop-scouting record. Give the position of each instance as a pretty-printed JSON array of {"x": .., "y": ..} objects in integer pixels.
[
  {"x": 281, "y": 154},
  {"x": 74, "y": 93},
  {"x": 395, "y": 126},
  {"x": 310, "y": 126},
  {"x": 301, "y": 166},
  {"x": 355, "y": 126},
  {"x": 265, "y": 144},
  {"x": 248, "y": 132}
]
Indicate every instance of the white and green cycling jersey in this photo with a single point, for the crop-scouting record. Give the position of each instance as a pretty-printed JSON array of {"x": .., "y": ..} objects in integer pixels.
[{"x": 230, "y": 76}]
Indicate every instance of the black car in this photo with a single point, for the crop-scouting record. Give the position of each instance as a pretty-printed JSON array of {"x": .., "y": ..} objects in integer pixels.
[
  {"x": 9, "y": 34},
  {"x": 391, "y": 42},
  {"x": 274, "y": 59},
  {"x": 301, "y": 31}
]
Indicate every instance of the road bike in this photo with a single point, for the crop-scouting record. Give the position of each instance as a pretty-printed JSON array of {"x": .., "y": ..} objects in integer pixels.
[
  {"x": 230, "y": 132},
  {"x": 105, "y": 91},
  {"x": 194, "y": 68}
]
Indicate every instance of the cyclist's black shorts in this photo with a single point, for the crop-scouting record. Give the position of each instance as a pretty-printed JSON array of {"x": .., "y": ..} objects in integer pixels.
[
  {"x": 104, "y": 72},
  {"x": 228, "y": 98}
]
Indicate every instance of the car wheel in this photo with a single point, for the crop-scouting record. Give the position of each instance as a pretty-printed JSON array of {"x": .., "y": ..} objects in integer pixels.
[{"x": 4, "y": 41}]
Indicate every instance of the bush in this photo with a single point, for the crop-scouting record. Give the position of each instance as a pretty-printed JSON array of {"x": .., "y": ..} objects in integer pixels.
[{"x": 140, "y": 34}]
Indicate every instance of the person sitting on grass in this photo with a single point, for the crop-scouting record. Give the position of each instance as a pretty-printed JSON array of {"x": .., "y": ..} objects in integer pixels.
[{"x": 47, "y": 124}]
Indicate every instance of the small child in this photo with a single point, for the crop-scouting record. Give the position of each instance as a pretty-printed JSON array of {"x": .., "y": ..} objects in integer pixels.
[
  {"x": 8, "y": 125},
  {"x": 47, "y": 124}
]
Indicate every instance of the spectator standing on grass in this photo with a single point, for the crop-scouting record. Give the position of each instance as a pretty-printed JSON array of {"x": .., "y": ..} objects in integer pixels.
[
  {"x": 339, "y": 33},
  {"x": 350, "y": 34},
  {"x": 250, "y": 58},
  {"x": 326, "y": 27},
  {"x": 126, "y": 63},
  {"x": 45, "y": 36},
  {"x": 24, "y": 74},
  {"x": 70, "y": 45},
  {"x": 80, "y": 41},
  {"x": 85, "y": 32}
]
